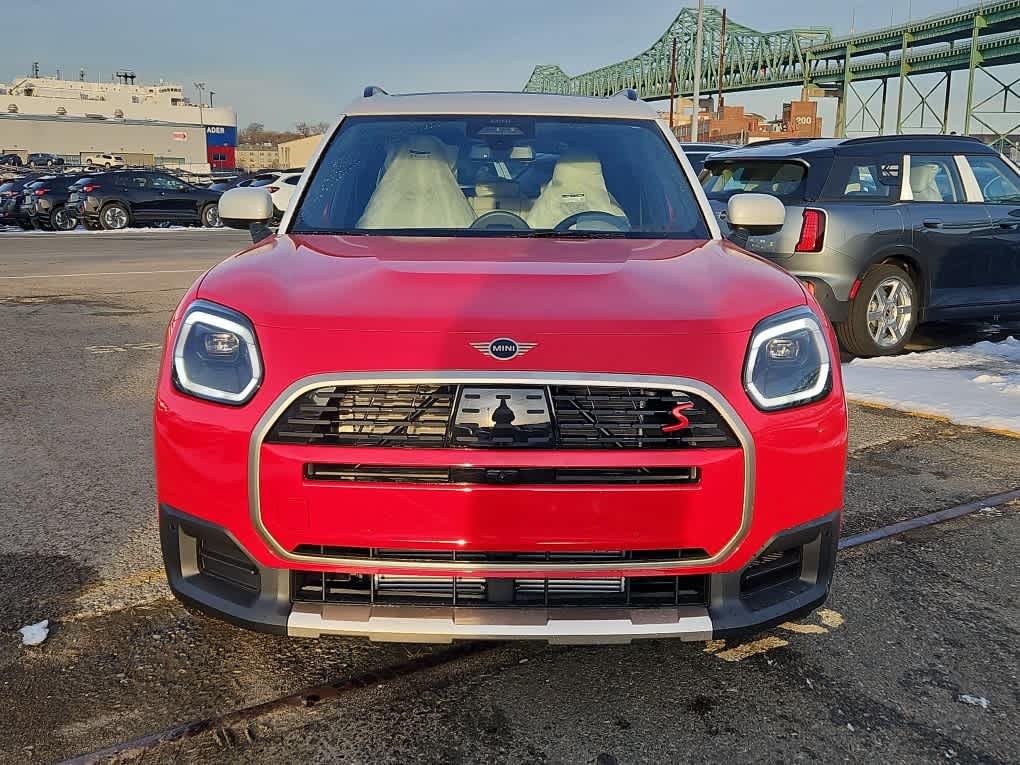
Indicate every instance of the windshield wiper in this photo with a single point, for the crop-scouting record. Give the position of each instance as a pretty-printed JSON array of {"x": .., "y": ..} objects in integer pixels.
[{"x": 551, "y": 234}]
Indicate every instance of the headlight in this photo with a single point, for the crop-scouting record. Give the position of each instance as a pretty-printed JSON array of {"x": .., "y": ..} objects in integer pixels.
[
  {"x": 216, "y": 356},
  {"x": 788, "y": 361}
]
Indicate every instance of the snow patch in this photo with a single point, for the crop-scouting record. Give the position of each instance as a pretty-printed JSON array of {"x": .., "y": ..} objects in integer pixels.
[
  {"x": 977, "y": 701},
  {"x": 34, "y": 634},
  {"x": 969, "y": 385}
]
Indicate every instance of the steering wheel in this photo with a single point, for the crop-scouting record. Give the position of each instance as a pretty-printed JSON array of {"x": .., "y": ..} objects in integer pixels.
[
  {"x": 1002, "y": 185},
  {"x": 604, "y": 221},
  {"x": 500, "y": 220}
]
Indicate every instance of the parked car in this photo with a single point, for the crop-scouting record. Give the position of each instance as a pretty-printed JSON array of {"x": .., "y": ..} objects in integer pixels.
[
  {"x": 281, "y": 186},
  {"x": 51, "y": 210},
  {"x": 11, "y": 194},
  {"x": 136, "y": 197},
  {"x": 103, "y": 160},
  {"x": 232, "y": 182},
  {"x": 24, "y": 202},
  {"x": 12, "y": 160},
  {"x": 405, "y": 418},
  {"x": 888, "y": 231},
  {"x": 44, "y": 159},
  {"x": 697, "y": 153}
]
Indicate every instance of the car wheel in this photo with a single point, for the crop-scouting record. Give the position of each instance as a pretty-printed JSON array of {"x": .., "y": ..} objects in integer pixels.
[
  {"x": 883, "y": 314},
  {"x": 211, "y": 216},
  {"x": 88, "y": 162},
  {"x": 107, "y": 165},
  {"x": 114, "y": 216},
  {"x": 49, "y": 163},
  {"x": 63, "y": 219}
]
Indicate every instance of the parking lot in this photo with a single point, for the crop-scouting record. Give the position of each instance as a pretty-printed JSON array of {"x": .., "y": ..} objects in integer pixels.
[{"x": 913, "y": 659}]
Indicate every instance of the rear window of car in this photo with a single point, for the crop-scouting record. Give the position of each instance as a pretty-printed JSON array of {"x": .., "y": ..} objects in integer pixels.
[
  {"x": 6, "y": 187},
  {"x": 784, "y": 180},
  {"x": 864, "y": 179}
]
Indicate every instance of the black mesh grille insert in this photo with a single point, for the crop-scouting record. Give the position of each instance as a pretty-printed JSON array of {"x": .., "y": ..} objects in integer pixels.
[
  {"x": 444, "y": 416},
  {"x": 365, "y": 589},
  {"x": 221, "y": 559}
]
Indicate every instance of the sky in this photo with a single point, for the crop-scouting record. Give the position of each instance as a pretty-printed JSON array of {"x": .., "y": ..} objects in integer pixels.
[{"x": 283, "y": 61}]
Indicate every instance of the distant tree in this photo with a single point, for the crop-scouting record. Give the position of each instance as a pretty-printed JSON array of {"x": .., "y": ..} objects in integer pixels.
[
  {"x": 311, "y": 128},
  {"x": 252, "y": 133},
  {"x": 256, "y": 133}
]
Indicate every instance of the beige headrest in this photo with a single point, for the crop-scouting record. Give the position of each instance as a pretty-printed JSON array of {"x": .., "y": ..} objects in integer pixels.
[{"x": 574, "y": 167}]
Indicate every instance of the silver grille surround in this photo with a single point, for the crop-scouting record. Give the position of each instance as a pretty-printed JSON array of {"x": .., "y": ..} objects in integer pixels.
[{"x": 594, "y": 380}]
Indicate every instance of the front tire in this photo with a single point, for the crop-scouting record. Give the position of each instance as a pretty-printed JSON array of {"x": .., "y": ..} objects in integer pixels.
[
  {"x": 114, "y": 217},
  {"x": 883, "y": 315}
]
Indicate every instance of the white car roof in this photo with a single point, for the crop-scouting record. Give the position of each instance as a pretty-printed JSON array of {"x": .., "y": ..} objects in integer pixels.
[{"x": 524, "y": 104}]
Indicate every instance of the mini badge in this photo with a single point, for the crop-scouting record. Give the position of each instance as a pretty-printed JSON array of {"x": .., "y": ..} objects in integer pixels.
[{"x": 503, "y": 348}]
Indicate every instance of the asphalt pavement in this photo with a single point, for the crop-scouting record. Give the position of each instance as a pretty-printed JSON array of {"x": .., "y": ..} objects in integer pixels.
[{"x": 914, "y": 658}]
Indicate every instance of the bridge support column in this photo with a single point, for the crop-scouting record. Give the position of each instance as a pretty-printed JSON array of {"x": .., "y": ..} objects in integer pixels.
[
  {"x": 904, "y": 75},
  {"x": 975, "y": 64}
]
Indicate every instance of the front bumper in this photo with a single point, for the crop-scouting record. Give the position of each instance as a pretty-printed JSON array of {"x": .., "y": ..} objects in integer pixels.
[{"x": 208, "y": 569}]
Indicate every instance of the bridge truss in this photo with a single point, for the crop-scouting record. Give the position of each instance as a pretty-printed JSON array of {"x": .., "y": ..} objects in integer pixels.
[{"x": 921, "y": 56}]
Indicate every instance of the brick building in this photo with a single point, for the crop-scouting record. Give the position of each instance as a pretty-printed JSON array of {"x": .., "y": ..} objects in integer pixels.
[{"x": 732, "y": 124}]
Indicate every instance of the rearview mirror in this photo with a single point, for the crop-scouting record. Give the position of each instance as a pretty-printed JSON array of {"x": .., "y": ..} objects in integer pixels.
[{"x": 756, "y": 213}]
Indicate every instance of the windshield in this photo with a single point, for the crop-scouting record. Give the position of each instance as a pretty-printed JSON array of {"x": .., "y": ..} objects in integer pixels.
[
  {"x": 500, "y": 176},
  {"x": 780, "y": 179}
]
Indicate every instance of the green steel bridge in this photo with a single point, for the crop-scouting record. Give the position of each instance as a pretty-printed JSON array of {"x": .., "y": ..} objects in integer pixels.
[{"x": 922, "y": 55}]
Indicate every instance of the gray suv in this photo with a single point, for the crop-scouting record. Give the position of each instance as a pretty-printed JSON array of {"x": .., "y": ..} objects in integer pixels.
[{"x": 886, "y": 232}]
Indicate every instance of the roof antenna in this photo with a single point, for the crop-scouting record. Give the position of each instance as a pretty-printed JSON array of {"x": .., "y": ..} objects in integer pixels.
[
  {"x": 374, "y": 90},
  {"x": 629, "y": 93}
]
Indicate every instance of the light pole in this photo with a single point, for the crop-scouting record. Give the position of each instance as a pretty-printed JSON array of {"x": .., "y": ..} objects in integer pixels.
[
  {"x": 699, "y": 40},
  {"x": 200, "y": 87}
]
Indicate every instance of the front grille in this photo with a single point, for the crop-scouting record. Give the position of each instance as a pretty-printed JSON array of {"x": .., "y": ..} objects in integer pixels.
[
  {"x": 389, "y": 589},
  {"x": 536, "y": 417},
  {"x": 503, "y": 476},
  {"x": 524, "y": 559}
]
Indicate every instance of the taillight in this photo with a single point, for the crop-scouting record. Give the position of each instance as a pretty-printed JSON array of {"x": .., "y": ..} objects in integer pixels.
[
  {"x": 272, "y": 189},
  {"x": 40, "y": 192},
  {"x": 90, "y": 188},
  {"x": 812, "y": 232}
]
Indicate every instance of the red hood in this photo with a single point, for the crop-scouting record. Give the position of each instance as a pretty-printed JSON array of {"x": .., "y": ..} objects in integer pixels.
[{"x": 501, "y": 285}]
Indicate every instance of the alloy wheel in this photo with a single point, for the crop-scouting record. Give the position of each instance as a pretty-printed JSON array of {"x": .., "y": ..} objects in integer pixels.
[
  {"x": 115, "y": 217},
  {"x": 890, "y": 312}
]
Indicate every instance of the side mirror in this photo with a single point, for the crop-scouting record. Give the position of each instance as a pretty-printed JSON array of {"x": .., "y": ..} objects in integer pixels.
[
  {"x": 755, "y": 213},
  {"x": 247, "y": 208},
  {"x": 239, "y": 208}
]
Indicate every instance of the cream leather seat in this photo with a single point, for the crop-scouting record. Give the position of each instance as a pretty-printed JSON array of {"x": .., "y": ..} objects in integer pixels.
[
  {"x": 922, "y": 183},
  {"x": 418, "y": 189},
  {"x": 577, "y": 186}
]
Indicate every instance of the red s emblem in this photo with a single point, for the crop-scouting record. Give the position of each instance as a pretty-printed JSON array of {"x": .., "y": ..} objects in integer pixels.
[{"x": 682, "y": 423}]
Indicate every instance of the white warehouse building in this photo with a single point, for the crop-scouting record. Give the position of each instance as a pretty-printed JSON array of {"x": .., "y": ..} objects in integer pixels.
[{"x": 75, "y": 117}]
